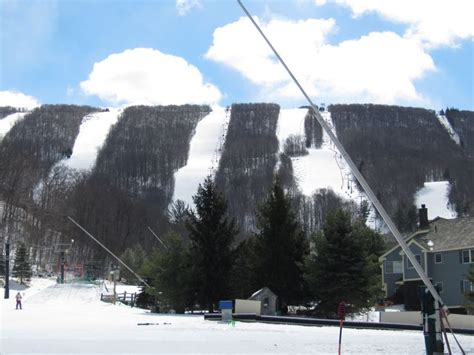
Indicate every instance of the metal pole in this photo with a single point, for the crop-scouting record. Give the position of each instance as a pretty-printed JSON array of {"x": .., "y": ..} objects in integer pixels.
[
  {"x": 370, "y": 194},
  {"x": 107, "y": 250},
  {"x": 7, "y": 270},
  {"x": 62, "y": 266},
  {"x": 154, "y": 234}
]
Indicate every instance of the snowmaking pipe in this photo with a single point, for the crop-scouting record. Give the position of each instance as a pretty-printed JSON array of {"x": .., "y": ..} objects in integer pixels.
[
  {"x": 109, "y": 251},
  {"x": 158, "y": 238},
  {"x": 370, "y": 194}
]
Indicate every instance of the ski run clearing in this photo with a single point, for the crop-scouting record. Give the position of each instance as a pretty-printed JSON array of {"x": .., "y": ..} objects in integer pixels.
[
  {"x": 9, "y": 121},
  {"x": 435, "y": 196},
  {"x": 92, "y": 134},
  {"x": 71, "y": 319}
]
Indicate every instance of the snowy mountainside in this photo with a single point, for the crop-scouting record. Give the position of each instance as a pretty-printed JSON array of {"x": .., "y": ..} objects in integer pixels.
[
  {"x": 145, "y": 157},
  {"x": 204, "y": 154},
  {"x": 446, "y": 124},
  {"x": 435, "y": 195},
  {"x": 323, "y": 167},
  {"x": 92, "y": 133},
  {"x": 9, "y": 121}
]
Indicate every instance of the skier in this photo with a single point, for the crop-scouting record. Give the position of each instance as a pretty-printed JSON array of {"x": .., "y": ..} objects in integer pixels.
[{"x": 18, "y": 300}]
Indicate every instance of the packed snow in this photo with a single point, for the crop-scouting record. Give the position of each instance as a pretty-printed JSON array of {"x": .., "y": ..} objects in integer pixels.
[
  {"x": 322, "y": 167},
  {"x": 435, "y": 196},
  {"x": 445, "y": 123},
  {"x": 9, "y": 121},
  {"x": 92, "y": 134},
  {"x": 204, "y": 154},
  {"x": 71, "y": 319}
]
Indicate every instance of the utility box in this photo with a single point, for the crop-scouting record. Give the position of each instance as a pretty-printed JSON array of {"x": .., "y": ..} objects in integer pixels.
[
  {"x": 248, "y": 306},
  {"x": 226, "y": 310}
]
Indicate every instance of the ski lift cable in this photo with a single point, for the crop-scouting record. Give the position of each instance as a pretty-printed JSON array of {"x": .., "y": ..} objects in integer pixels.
[
  {"x": 110, "y": 252},
  {"x": 355, "y": 171}
]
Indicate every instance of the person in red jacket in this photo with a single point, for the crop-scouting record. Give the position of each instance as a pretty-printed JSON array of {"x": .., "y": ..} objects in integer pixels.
[{"x": 18, "y": 300}]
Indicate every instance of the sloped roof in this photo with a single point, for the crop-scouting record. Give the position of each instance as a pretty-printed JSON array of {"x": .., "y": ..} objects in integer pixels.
[
  {"x": 447, "y": 234},
  {"x": 263, "y": 289}
]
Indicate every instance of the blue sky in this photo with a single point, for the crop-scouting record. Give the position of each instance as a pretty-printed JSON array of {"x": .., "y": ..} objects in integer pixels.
[{"x": 121, "y": 52}]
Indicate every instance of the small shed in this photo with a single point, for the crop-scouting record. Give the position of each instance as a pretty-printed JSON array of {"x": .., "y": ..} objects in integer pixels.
[{"x": 268, "y": 300}]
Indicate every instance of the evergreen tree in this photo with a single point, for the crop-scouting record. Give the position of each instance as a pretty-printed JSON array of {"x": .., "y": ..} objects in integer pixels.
[
  {"x": 212, "y": 234},
  {"x": 340, "y": 268},
  {"x": 280, "y": 248},
  {"x": 470, "y": 295},
  {"x": 21, "y": 266},
  {"x": 243, "y": 275},
  {"x": 135, "y": 258},
  {"x": 170, "y": 273}
]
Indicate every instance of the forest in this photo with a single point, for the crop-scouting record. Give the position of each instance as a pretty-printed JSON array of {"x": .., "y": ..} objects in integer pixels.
[{"x": 130, "y": 188}]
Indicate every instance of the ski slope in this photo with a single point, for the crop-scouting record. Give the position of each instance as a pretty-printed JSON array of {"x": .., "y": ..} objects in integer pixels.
[
  {"x": 435, "y": 195},
  {"x": 9, "y": 121},
  {"x": 204, "y": 154},
  {"x": 70, "y": 319},
  {"x": 92, "y": 134},
  {"x": 445, "y": 123},
  {"x": 323, "y": 167}
]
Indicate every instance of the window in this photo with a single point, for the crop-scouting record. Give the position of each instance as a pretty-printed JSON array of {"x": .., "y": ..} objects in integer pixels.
[
  {"x": 467, "y": 286},
  {"x": 393, "y": 267},
  {"x": 467, "y": 256},
  {"x": 397, "y": 267},
  {"x": 418, "y": 259},
  {"x": 438, "y": 258},
  {"x": 439, "y": 287}
]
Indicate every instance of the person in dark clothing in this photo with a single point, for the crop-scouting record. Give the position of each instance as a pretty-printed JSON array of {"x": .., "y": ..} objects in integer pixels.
[{"x": 18, "y": 300}]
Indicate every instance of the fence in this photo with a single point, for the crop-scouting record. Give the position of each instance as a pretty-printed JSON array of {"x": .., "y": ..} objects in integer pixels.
[{"x": 124, "y": 297}]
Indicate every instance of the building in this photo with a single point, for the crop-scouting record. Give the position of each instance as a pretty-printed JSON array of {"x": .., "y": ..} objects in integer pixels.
[
  {"x": 445, "y": 250},
  {"x": 268, "y": 301}
]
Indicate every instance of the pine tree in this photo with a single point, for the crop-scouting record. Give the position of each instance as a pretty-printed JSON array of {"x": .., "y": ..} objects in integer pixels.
[
  {"x": 340, "y": 268},
  {"x": 135, "y": 258},
  {"x": 280, "y": 248},
  {"x": 21, "y": 266},
  {"x": 212, "y": 234},
  {"x": 470, "y": 295},
  {"x": 170, "y": 273}
]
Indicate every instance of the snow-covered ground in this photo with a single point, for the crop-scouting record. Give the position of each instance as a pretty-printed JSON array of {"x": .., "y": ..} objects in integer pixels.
[
  {"x": 445, "y": 123},
  {"x": 70, "y": 319},
  {"x": 9, "y": 121},
  {"x": 92, "y": 133},
  {"x": 435, "y": 196},
  {"x": 322, "y": 167},
  {"x": 204, "y": 154}
]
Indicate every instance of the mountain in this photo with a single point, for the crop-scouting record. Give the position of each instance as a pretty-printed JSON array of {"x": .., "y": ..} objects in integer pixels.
[{"x": 118, "y": 172}]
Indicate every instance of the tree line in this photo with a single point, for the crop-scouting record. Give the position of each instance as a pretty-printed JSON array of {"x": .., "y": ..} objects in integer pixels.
[{"x": 339, "y": 263}]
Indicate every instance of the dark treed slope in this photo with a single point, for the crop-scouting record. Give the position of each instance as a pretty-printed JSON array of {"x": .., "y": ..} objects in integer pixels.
[
  {"x": 132, "y": 182},
  {"x": 36, "y": 143},
  {"x": 248, "y": 159},
  {"x": 463, "y": 125},
  {"x": 399, "y": 148},
  {"x": 7, "y": 110},
  {"x": 313, "y": 131},
  {"x": 147, "y": 146}
]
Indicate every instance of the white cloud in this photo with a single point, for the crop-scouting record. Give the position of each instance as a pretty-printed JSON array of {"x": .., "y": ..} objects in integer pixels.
[
  {"x": 433, "y": 22},
  {"x": 184, "y": 6},
  {"x": 17, "y": 99},
  {"x": 148, "y": 76},
  {"x": 380, "y": 67}
]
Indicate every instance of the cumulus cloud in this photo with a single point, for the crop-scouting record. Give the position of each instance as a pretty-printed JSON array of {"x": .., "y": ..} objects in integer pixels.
[
  {"x": 380, "y": 67},
  {"x": 432, "y": 22},
  {"x": 184, "y": 6},
  {"x": 148, "y": 76},
  {"x": 17, "y": 99}
]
